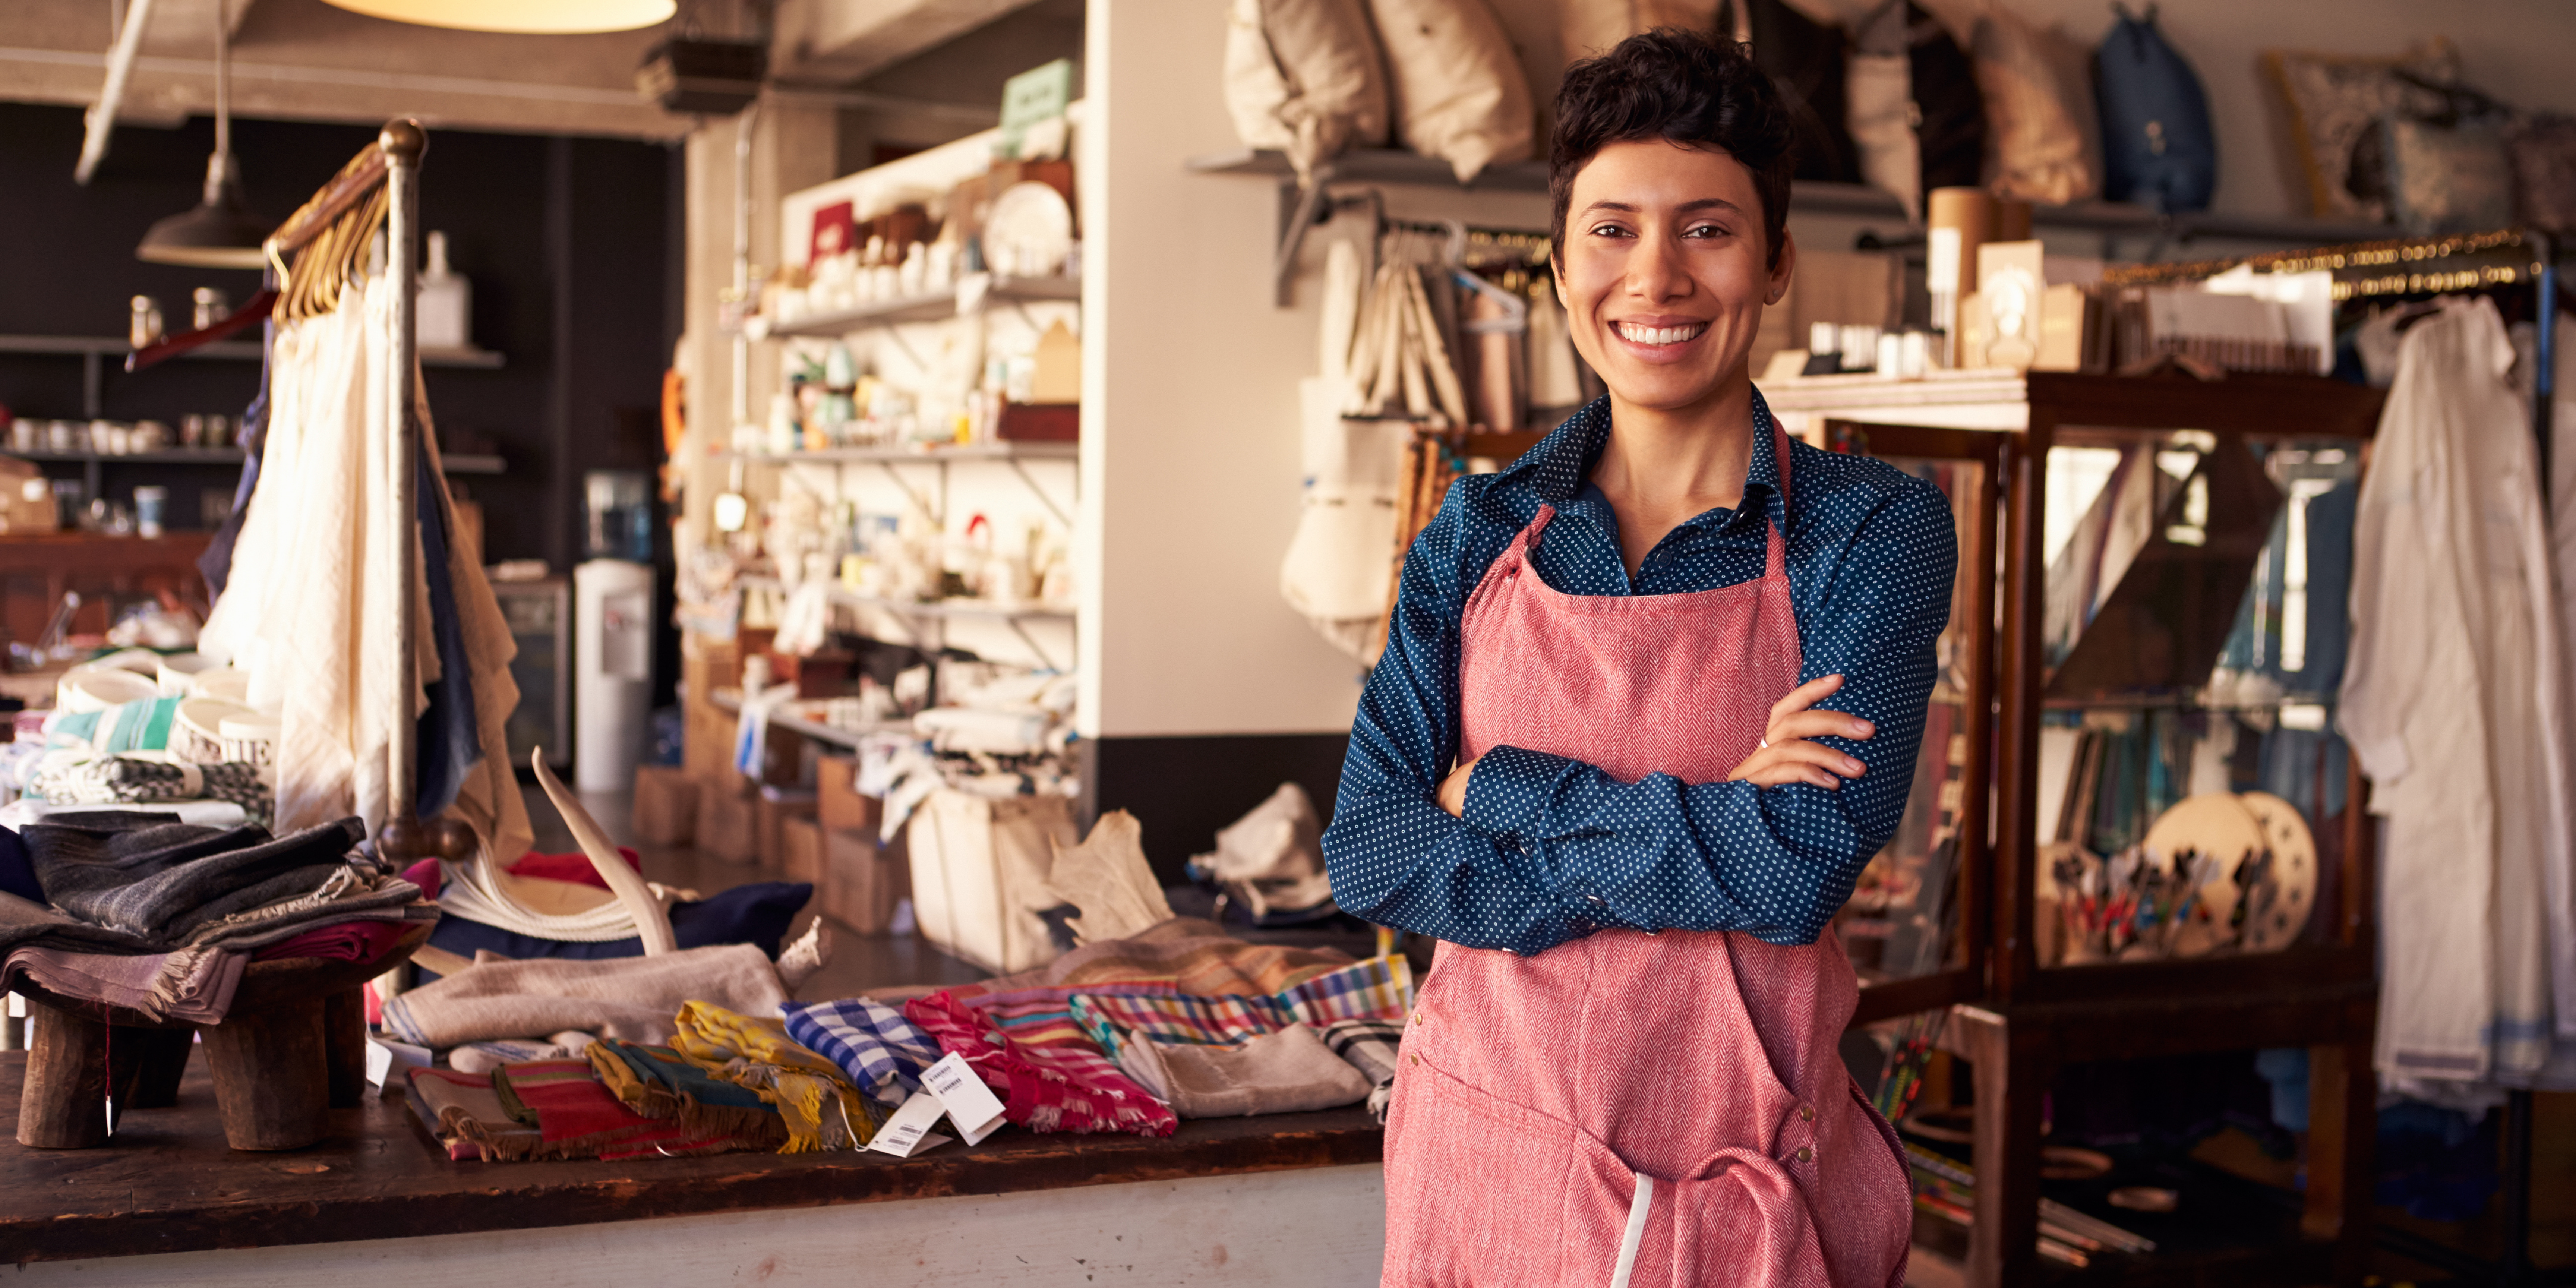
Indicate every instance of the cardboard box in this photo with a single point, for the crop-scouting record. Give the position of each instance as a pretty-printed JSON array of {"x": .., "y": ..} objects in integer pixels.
[
  {"x": 728, "y": 823},
  {"x": 26, "y": 499},
  {"x": 801, "y": 852},
  {"x": 836, "y": 778},
  {"x": 666, "y": 805},
  {"x": 863, "y": 880},
  {"x": 706, "y": 743},
  {"x": 708, "y": 665},
  {"x": 776, "y": 805}
]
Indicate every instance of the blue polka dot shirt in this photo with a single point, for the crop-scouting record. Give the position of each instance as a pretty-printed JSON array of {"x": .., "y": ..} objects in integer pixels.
[{"x": 1552, "y": 849}]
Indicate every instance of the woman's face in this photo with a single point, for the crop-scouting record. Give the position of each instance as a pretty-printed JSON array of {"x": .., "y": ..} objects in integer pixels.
[{"x": 1663, "y": 274}]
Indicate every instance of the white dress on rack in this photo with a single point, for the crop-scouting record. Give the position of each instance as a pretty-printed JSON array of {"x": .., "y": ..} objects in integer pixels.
[
  {"x": 309, "y": 608},
  {"x": 2454, "y": 699}
]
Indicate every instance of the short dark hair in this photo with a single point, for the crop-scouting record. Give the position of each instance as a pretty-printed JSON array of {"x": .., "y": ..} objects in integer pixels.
[{"x": 1684, "y": 87}]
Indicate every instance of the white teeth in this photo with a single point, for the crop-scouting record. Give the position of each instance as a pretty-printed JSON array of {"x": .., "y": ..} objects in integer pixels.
[{"x": 1659, "y": 334}]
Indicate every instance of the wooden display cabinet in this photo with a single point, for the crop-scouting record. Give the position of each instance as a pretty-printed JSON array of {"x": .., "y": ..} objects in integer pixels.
[{"x": 2029, "y": 1019}]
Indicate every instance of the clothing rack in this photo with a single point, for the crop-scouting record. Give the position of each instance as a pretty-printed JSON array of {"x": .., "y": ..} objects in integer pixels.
[{"x": 383, "y": 180}]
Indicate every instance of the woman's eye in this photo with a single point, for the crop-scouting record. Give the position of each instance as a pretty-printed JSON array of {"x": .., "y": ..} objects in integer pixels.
[
  {"x": 1704, "y": 231},
  {"x": 1609, "y": 230}
]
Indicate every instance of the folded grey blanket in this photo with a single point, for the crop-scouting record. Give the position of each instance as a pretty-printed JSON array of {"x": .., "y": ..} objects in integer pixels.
[{"x": 145, "y": 875}]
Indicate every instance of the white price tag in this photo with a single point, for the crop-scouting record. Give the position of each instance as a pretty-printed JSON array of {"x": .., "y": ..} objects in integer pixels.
[
  {"x": 909, "y": 1130},
  {"x": 970, "y": 1104}
]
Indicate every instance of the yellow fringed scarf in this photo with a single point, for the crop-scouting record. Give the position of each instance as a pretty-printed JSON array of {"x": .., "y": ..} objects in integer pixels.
[{"x": 757, "y": 1054}]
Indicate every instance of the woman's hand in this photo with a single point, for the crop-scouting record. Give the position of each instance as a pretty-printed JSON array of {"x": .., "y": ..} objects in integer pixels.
[
  {"x": 1453, "y": 789},
  {"x": 1788, "y": 756}
]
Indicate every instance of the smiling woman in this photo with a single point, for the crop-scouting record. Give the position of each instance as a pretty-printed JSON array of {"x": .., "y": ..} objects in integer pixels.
[{"x": 1597, "y": 761}]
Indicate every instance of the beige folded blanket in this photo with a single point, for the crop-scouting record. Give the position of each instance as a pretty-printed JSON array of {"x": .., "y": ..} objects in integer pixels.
[
  {"x": 633, "y": 998},
  {"x": 1286, "y": 1072}
]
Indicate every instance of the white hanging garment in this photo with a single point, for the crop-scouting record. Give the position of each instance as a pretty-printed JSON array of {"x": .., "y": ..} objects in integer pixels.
[
  {"x": 309, "y": 609},
  {"x": 1340, "y": 562},
  {"x": 2562, "y": 529},
  {"x": 2453, "y": 700},
  {"x": 1343, "y": 288},
  {"x": 1551, "y": 355}
]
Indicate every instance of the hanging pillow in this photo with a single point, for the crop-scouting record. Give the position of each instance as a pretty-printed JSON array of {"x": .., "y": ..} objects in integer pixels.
[
  {"x": 1304, "y": 77},
  {"x": 1805, "y": 60},
  {"x": 1915, "y": 113},
  {"x": 2543, "y": 148},
  {"x": 1459, "y": 92},
  {"x": 2157, "y": 145},
  {"x": 2043, "y": 141}
]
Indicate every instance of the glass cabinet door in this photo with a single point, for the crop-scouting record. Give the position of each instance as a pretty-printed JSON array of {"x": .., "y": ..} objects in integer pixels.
[
  {"x": 1914, "y": 924},
  {"x": 2193, "y": 795}
]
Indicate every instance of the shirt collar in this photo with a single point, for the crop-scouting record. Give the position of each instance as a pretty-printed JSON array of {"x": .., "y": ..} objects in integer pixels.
[{"x": 1555, "y": 470}]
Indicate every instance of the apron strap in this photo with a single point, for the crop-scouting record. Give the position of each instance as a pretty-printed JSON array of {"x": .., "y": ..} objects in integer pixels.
[{"x": 1775, "y": 556}]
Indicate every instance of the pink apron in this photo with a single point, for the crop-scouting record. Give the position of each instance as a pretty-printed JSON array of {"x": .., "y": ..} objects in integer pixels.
[{"x": 1633, "y": 1109}]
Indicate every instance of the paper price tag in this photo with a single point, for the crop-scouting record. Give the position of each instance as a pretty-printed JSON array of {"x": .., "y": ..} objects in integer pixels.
[
  {"x": 909, "y": 1130},
  {"x": 970, "y": 1104}
]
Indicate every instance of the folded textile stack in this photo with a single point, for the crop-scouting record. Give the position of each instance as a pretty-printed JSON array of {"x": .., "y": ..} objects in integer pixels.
[
  {"x": 1126, "y": 1035},
  {"x": 633, "y": 998},
  {"x": 161, "y": 917},
  {"x": 546, "y": 1109}
]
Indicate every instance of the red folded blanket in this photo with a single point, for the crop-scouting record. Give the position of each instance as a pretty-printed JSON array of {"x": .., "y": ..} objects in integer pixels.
[
  {"x": 341, "y": 941},
  {"x": 574, "y": 867}
]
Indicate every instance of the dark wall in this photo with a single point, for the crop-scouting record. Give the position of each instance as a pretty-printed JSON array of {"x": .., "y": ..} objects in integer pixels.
[{"x": 569, "y": 244}]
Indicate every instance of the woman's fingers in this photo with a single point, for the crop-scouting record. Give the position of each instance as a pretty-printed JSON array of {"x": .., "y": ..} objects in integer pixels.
[
  {"x": 1798, "y": 761},
  {"x": 1819, "y": 724},
  {"x": 1805, "y": 696}
]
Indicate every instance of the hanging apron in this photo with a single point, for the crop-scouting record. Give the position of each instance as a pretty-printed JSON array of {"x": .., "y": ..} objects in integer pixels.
[{"x": 1630, "y": 1109}]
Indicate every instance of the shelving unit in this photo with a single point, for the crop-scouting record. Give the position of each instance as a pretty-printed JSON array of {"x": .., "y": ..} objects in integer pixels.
[
  {"x": 94, "y": 351},
  {"x": 912, "y": 612},
  {"x": 962, "y": 300},
  {"x": 837, "y": 735}
]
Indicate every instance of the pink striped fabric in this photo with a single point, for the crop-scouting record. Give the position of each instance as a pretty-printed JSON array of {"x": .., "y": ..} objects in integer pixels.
[{"x": 1534, "y": 1092}]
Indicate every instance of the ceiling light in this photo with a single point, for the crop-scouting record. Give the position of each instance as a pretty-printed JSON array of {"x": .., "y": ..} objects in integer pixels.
[
  {"x": 524, "y": 17},
  {"x": 221, "y": 232}
]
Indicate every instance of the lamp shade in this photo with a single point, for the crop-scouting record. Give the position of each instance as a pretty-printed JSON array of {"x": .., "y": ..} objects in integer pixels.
[
  {"x": 526, "y": 17},
  {"x": 217, "y": 236}
]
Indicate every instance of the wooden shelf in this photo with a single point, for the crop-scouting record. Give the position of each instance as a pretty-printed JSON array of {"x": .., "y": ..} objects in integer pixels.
[
  {"x": 240, "y": 350},
  {"x": 951, "y": 608},
  {"x": 838, "y": 735},
  {"x": 456, "y": 463},
  {"x": 1395, "y": 166},
  {"x": 1040, "y": 451},
  {"x": 929, "y": 307}
]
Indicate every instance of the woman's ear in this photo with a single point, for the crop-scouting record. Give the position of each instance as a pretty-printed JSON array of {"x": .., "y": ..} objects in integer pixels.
[{"x": 1781, "y": 272}]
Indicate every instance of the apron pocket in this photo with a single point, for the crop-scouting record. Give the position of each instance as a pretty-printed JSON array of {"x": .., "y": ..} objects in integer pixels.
[{"x": 1483, "y": 1193}]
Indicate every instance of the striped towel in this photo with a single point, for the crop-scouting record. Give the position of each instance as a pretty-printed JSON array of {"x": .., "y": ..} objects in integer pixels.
[
  {"x": 882, "y": 1052},
  {"x": 1379, "y": 989},
  {"x": 1049, "y": 1074},
  {"x": 1370, "y": 1047}
]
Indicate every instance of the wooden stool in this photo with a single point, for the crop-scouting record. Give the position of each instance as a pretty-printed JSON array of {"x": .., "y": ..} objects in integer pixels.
[{"x": 291, "y": 1049}]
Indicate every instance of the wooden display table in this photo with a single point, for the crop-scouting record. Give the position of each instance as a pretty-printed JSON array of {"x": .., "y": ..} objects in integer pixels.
[{"x": 167, "y": 1184}]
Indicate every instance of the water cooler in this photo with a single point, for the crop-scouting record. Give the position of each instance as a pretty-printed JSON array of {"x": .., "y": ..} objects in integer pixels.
[{"x": 613, "y": 634}]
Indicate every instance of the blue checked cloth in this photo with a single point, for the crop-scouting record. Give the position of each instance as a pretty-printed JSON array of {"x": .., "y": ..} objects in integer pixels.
[{"x": 870, "y": 1041}]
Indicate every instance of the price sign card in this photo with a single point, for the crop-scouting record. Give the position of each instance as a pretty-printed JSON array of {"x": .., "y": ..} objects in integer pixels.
[
  {"x": 970, "y": 1104},
  {"x": 909, "y": 1131}
]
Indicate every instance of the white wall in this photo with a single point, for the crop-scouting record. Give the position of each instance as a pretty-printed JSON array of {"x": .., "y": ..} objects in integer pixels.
[{"x": 1190, "y": 414}]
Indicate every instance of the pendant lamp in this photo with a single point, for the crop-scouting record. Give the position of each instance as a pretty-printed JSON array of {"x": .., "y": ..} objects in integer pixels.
[
  {"x": 524, "y": 17},
  {"x": 221, "y": 232}
]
